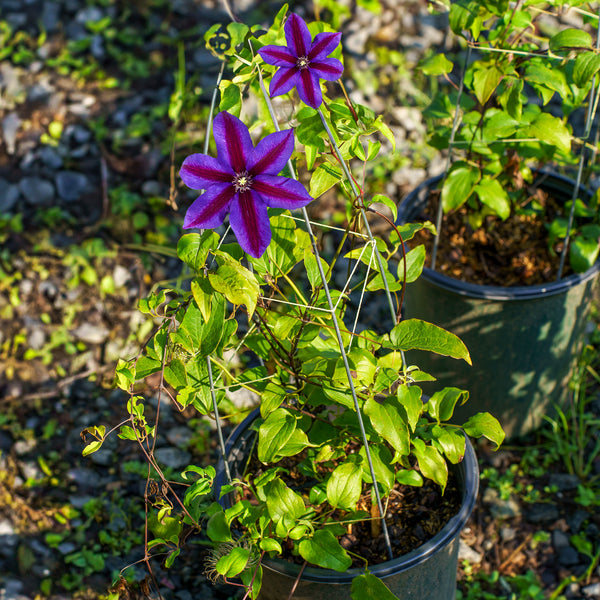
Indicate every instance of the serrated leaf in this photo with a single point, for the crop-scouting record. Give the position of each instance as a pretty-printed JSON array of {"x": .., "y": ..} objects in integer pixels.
[
  {"x": 325, "y": 551},
  {"x": 344, "y": 486},
  {"x": 414, "y": 334}
]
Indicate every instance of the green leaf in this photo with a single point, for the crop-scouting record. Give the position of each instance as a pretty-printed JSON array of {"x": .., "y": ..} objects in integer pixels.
[
  {"x": 234, "y": 563},
  {"x": 274, "y": 433},
  {"x": 381, "y": 458},
  {"x": 344, "y": 486},
  {"x": 175, "y": 374},
  {"x": 441, "y": 404},
  {"x": 493, "y": 195},
  {"x": 414, "y": 334},
  {"x": 324, "y": 178},
  {"x": 217, "y": 528},
  {"x": 283, "y": 502},
  {"x": 270, "y": 545},
  {"x": 387, "y": 201},
  {"x": 583, "y": 253},
  {"x": 550, "y": 130},
  {"x": 409, "y": 477},
  {"x": 451, "y": 441},
  {"x": 342, "y": 397},
  {"x": 193, "y": 248},
  {"x": 436, "y": 65},
  {"x": 415, "y": 260},
  {"x": 92, "y": 447},
  {"x": 410, "y": 398},
  {"x": 203, "y": 294},
  {"x": 587, "y": 64},
  {"x": 431, "y": 463},
  {"x": 325, "y": 551},
  {"x": 570, "y": 38},
  {"x": 369, "y": 587},
  {"x": 167, "y": 528},
  {"x": 459, "y": 185},
  {"x": 237, "y": 283},
  {"x": 484, "y": 425},
  {"x": 539, "y": 74},
  {"x": 312, "y": 269},
  {"x": 486, "y": 77},
  {"x": 390, "y": 422}
]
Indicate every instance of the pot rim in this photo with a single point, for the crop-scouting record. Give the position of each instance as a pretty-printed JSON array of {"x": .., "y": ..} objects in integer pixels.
[
  {"x": 493, "y": 292},
  {"x": 469, "y": 470}
]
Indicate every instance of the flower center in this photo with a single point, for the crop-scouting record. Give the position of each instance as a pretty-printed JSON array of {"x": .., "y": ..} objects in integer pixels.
[
  {"x": 242, "y": 182},
  {"x": 302, "y": 62}
]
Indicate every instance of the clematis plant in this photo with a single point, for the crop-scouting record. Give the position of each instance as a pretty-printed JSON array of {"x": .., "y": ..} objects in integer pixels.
[{"x": 260, "y": 313}]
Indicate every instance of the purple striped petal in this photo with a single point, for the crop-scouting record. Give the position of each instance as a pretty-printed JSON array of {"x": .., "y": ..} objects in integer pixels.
[
  {"x": 323, "y": 45},
  {"x": 279, "y": 56},
  {"x": 234, "y": 144},
  {"x": 297, "y": 35},
  {"x": 309, "y": 88},
  {"x": 281, "y": 192},
  {"x": 249, "y": 220},
  {"x": 209, "y": 209},
  {"x": 283, "y": 81},
  {"x": 272, "y": 153},
  {"x": 200, "y": 171},
  {"x": 327, "y": 68}
]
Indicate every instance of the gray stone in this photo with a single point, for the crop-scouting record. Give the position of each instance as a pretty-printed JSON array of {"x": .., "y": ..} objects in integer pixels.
[
  {"x": 84, "y": 478},
  {"x": 16, "y": 20},
  {"x": 508, "y": 534},
  {"x": 31, "y": 470},
  {"x": 50, "y": 16},
  {"x": 152, "y": 188},
  {"x": 78, "y": 133},
  {"x": 50, "y": 157},
  {"x": 37, "y": 191},
  {"x": 10, "y": 126},
  {"x": 39, "y": 93},
  {"x": 66, "y": 548},
  {"x": 180, "y": 437},
  {"x": 500, "y": 508},
  {"x": 88, "y": 14},
  {"x": 465, "y": 552},
  {"x": 173, "y": 457},
  {"x": 103, "y": 457},
  {"x": 71, "y": 185},
  {"x": 542, "y": 513},
  {"x": 564, "y": 481},
  {"x": 91, "y": 334},
  {"x": 121, "y": 276},
  {"x": 9, "y": 195},
  {"x": 97, "y": 47},
  {"x": 6, "y": 440},
  {"x": 76, "y": 31},
  {"x": 591, "y": 591},
  {"x": 37, "y": 338},
  {"x": 23, "y": 447}
]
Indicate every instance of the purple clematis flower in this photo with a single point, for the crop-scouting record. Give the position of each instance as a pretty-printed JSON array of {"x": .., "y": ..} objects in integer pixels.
[
  {"x": 243, "y": 181},
  {"x": 303, "y": 62}
]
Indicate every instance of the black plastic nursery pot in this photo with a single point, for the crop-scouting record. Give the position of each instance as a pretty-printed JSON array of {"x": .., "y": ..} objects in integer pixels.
[
  {"x": 430, "y": 569},
  {"x": 524, "y": 341}
]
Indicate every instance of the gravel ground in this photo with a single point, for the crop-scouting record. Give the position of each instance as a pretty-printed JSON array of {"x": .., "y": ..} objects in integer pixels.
[{"x": 69, "y": 524}]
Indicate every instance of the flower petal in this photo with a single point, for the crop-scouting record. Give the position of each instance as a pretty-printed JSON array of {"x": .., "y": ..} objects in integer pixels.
[
  {"x": 283, "y": 81},
  {"x": 249, "y": 220},
  {"x": 280, "y": 56},
  {"x": 272, "y": 153},
  {"x": 327, "y": 68},
  {"x": 281, "y": 192},
  {"x": 234, "y": 144},
  {"x": 309, "y": 88},
  {"x": 200, "y": 171},
  {"x": 297, "y": 35},
  {"x": 209, "y": 209},
  {"x": 323, "y": 45}
]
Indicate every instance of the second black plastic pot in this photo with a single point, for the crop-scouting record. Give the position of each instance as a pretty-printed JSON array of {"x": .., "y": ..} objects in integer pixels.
[
  {"x": 523, "y": 341},
  {"x": 430, "y": 569}
]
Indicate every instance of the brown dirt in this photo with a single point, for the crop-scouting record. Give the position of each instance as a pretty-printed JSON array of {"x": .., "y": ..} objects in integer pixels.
[{"x": 506, "y": 253}]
